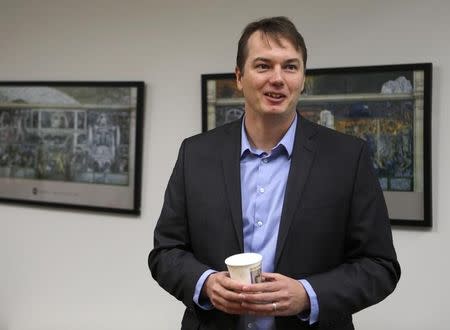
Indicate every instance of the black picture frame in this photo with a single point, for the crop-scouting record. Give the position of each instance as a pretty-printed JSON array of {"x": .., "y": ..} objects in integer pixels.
[
  {"x": 389, "y": 106},
  {"x": 72, "y": 144}
]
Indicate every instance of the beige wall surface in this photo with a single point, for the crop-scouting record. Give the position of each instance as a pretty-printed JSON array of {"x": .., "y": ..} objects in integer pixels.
[{"x": 63, "y": 269}]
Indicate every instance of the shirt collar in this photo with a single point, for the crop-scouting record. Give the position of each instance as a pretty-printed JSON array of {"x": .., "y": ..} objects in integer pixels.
[{"x": 287, "y": 141}]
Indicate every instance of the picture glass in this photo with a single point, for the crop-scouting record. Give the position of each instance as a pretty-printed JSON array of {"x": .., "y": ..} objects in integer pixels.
[
  {"x": 69, "y": 143},
  {"x": 387, "y": 106}
]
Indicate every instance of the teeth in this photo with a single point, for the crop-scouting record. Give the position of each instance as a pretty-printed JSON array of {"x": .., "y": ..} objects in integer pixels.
[{"x": 276, "y": 96}]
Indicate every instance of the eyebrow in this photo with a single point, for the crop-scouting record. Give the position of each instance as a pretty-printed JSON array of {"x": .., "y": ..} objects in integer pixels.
[{"x": 263, "y": 59}]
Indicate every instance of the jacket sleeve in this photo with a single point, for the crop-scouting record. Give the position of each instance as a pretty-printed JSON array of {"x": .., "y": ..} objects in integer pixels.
[
  {"x": 370, "y": 270},
  {"x": 171, "y": 262}
]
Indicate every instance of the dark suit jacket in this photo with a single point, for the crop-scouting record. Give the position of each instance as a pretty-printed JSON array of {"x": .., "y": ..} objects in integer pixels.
[{"x": 334, "y": 230}]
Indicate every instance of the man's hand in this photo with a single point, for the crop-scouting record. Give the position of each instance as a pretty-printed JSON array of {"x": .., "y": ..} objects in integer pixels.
[
  {"x": 277, "y": 295},
  {"x": 224, "y": 293}
]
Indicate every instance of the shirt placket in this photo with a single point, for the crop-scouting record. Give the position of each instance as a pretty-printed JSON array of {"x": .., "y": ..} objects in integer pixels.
[{"x": 261, "y": 203}]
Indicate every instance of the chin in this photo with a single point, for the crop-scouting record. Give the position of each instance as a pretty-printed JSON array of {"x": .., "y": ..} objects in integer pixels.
[{"x": 278, "y": 111}]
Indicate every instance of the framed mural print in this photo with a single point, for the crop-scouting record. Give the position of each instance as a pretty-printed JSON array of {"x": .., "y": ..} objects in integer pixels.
[
  {"x": 72, "y": 144},
  {"x": 388, "y": 106}
]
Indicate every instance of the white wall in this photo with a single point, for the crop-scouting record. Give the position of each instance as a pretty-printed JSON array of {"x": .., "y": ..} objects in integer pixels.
[{"x": 77, "y": 270}]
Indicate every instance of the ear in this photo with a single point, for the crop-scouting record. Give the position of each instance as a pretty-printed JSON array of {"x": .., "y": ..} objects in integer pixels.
[
  {"x": 302, "y": 86},
  {"x": 238, "y": 74}
]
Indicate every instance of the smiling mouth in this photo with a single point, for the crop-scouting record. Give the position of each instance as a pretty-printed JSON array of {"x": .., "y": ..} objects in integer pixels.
[{"x": 274, "y": 95}]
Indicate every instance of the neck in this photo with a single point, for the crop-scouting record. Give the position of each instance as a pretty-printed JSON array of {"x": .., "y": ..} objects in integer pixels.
[{"x": 264, "y": 132}]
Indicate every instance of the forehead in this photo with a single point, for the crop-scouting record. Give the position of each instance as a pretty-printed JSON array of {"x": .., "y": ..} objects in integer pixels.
[{"x": 262, "y": 42}]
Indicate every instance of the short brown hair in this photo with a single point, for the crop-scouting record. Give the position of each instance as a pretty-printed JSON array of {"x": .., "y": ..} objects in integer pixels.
[{"x": 273, "y": 27}]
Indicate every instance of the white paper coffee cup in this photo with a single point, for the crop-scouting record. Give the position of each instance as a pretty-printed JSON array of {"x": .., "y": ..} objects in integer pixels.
[{"x": 245, "y": 267}]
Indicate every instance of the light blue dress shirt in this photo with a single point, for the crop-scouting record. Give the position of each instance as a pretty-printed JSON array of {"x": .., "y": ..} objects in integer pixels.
[{"x": 263, "y": 185}]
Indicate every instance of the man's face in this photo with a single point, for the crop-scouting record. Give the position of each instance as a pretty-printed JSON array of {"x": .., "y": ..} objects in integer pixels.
[{"x": 273, "y": 76}]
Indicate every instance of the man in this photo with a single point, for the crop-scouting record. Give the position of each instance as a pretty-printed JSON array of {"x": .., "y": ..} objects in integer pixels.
[{"x": 302, "y": 195}]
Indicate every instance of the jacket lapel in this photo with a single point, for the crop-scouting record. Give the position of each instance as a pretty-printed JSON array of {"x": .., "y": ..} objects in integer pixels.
[
  {"x": 302, "y": 159},
  {"x": 231, "y": 168}
]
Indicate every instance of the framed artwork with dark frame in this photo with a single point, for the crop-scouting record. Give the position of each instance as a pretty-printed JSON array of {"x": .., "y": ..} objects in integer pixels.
[
  {"x": 72, "y": 144},
  {"x": 388, "y": 106}
]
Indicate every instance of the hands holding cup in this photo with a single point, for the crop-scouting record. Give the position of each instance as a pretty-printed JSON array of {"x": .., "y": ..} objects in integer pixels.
[{"x": 244, "y": 289}]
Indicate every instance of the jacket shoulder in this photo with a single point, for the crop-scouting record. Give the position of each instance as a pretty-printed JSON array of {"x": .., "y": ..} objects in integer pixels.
[{"x": 216, "y": 137}]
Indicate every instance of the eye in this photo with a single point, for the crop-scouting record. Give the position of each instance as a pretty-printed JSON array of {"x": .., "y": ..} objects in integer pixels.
[
  {"x": 291, "y": 67},
  {"x": 262, "y": 66}
]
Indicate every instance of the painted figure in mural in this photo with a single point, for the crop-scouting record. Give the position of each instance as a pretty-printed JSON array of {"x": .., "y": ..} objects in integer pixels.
[
  {"x": 59, "y": 120},
  {"x": 326, "y": 119},
  {"x": 104, "y": 140}
]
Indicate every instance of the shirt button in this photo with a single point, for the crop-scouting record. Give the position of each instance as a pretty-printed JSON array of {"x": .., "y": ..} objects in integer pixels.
[
  {"x": 259, "y": 223},
  {"x": 261, "y": 190},
  {"x": 250, "y": 325},
  {"x": 265, "y": 160}
]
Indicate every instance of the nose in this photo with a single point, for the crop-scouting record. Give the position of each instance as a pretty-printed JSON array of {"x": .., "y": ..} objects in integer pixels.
[{"x": 277, "y": 76}]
